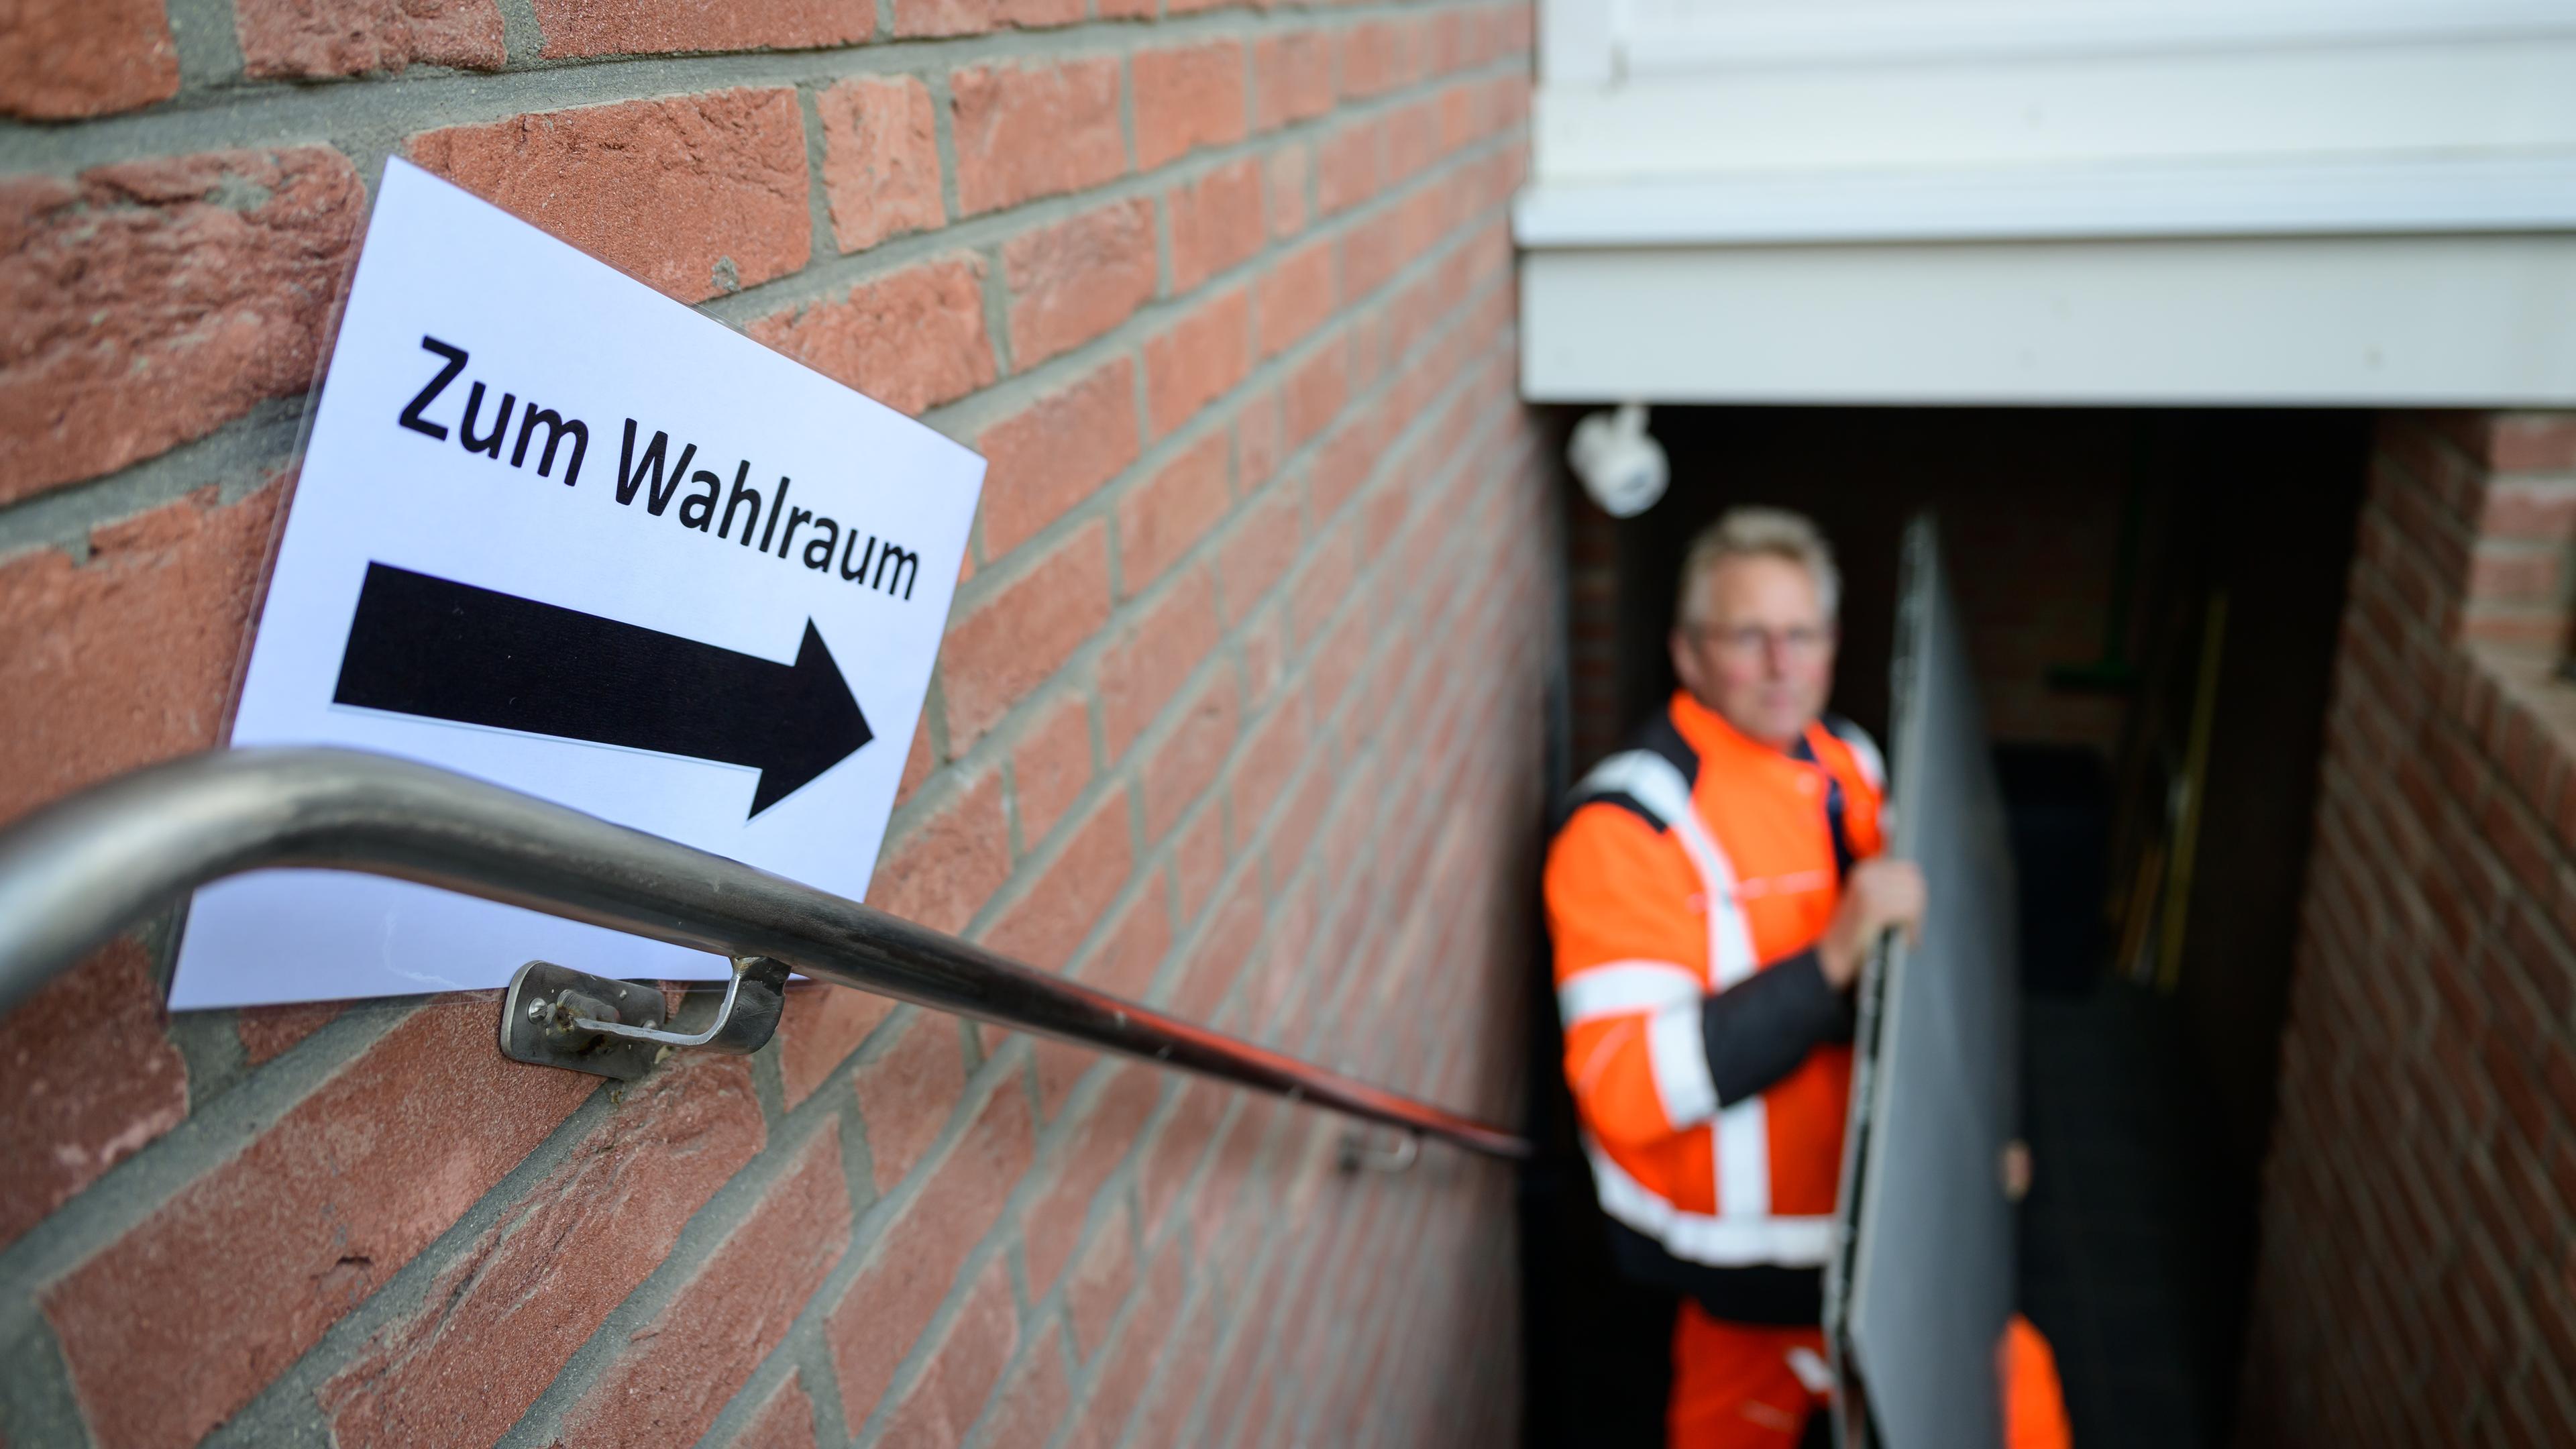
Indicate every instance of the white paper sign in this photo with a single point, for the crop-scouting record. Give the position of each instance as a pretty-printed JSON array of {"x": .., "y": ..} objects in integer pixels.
[{"x": 560, "y": 532}]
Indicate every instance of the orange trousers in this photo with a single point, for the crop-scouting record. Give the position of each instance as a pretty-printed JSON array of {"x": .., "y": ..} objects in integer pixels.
[
  {"x": 1738, "y": 1386},
  {"x": 2034, "y": 1402}
]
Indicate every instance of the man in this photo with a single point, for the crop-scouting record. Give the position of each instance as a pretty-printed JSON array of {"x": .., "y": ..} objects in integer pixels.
[{"x": 1711, "y": 897}]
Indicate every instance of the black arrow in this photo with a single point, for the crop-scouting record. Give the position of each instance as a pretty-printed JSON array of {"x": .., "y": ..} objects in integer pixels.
[{"x": 444, "y": 650}]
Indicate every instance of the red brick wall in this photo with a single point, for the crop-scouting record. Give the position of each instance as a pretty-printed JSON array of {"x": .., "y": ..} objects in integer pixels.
[
  {"x": 1239, "y": 712},
  {"x": 2417, "y": 1281},
  {"x": 1592, "y": 664}
]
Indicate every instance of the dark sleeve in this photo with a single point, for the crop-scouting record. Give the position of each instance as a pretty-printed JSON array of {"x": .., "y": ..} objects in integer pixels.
[{"x": 1758, "y": 1030}]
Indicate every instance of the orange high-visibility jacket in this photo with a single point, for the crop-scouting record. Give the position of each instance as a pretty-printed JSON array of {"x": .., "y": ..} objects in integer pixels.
[{"x": 1710, "y": 1063}]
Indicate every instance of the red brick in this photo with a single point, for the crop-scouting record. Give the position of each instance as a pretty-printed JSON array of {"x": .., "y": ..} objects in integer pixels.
[
  {"x": 1338, "y": 672},
  {"x": 1056, "y": 452},
  {"x": 2532, "y": 442},
  {"x": 1219, "y": 955},
  {"x": 1033, "y": 1404},
  {"x": 1453, "y": 40},
  {"x": 1371, "y": 253},
  {"x": 1028, "y": 131},
  {"x": 580, "y": 28},
  {"x": 1188, "y": 759},
  {"x": 670, "y": 1382},
  {"x": 1242, "y": 1388},
  {"x": 69, "y": 1122},
  {"x": 1023, "y": 632},
  {"x": 2555, "y": 1313},
  {"x": 1284, "y": 177},
  {"x": 1050, "y": 766},
  {"x": 1421, "y": 307},
  {"x": 1179, "y": 1145},
  {"x": 906, "y": 1095},
  {"x": 1198, "y": 360},
  {"x": 2516, "y": 1090},
  {"x": 2537, "y": 509},
  {"x": 1085, "y": 1161},
  {"x": 941, "y": 871},
  {"x": 269, "y": 1032},
  {"x": 2514, "y": 573},
  {"x": 1216, "y": 222},
  {"x": 308, "y": 38},
  {"x": 1326, "y": 581},
  {"x": 943, "y": 1403},
  {"x": 2535, "y": 1414},
  {"x": 1285, "y": 851},
  {"x": 1060, "y": 1065},
  {"x": 880, "y": 159},
  {"x": 820, "y": 1028},
  {"x": 1150, "y": 660},
  {"x": 252, "y": 1262},
  {"x": 1186, "y": 98},
  {"x": 1346, "y": 167},
  {"x": 1374, "y": 251},
  {"x": 917, "y": 763},
  {"x": 1387, "y": 510},
  {"x": 1198, "y": 862},
  {"x": 2522, "y": 843},
  {"x": 1292, "y": 78},
  {"x": 127, "y": 659},
  {"x": 911, "y": 339},
  {"x": 1118, "y": 1385},
  {"x": 1047, "y": 923},
  {"x": 1101, "y": 1281},
  {"x": 154, "y": 301},
  {"x": 1184, "y": 1376},
  {"x": 61, "y": 59},
  {"x": 1372, "y": 58},
  {"x": 1257, "y": 555},
  {"x": 1314, "y": 396},
  {"x": 1462, "y": 115},
  {"x": 1075, "y": 280},
  {"x": 1282, "y": 958},
  {"x": 1296, "y": 298},
  {"x": 895, "y": 1295},
  {"x": 1236, "y": 1157},
  {"x": 975, "y": 17},
  {"x": 502, "y": 1320},
  {"x": 1162, "y": 519},
  {"x": 696, "y": 195},
  {"x": 1278, "y": 745},
  {"x": 1257, "y": 445},
  {"x": 1246, "y": 1360},
  {"x": 785, "y": 1422},
  {"x": 1125, "y": 961},
  {"x": 1412, "y": 139}
]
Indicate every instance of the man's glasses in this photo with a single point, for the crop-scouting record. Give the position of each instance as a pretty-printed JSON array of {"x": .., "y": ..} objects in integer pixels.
[{"x": 1797, "y": 643}]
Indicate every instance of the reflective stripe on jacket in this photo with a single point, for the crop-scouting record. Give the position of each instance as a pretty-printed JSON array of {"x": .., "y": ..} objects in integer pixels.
[{"x": 1690, "y": 864}]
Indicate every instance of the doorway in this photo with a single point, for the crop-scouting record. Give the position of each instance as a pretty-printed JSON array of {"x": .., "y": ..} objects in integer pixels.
[{"x": 2152, "y": 599}]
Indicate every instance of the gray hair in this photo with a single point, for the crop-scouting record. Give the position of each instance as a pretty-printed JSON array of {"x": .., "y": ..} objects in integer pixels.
[{"x": 1759, "y": 533}]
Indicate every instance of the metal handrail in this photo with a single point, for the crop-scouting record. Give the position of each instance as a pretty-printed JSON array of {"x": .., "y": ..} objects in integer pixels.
[{"x": 77, "y": 872}]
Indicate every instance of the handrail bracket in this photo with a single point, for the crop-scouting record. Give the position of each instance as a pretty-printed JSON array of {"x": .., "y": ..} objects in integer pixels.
[{"x": 554, "y": 1016}]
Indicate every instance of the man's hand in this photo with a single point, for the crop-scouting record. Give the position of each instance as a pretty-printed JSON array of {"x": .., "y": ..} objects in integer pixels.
[
  {"x": 2016, "y": 1167},
  {"x": 1882, "y": 895}
]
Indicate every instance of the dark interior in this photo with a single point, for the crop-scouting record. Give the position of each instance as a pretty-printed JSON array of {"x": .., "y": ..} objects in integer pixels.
[{"x": 2096, "y": 554}]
